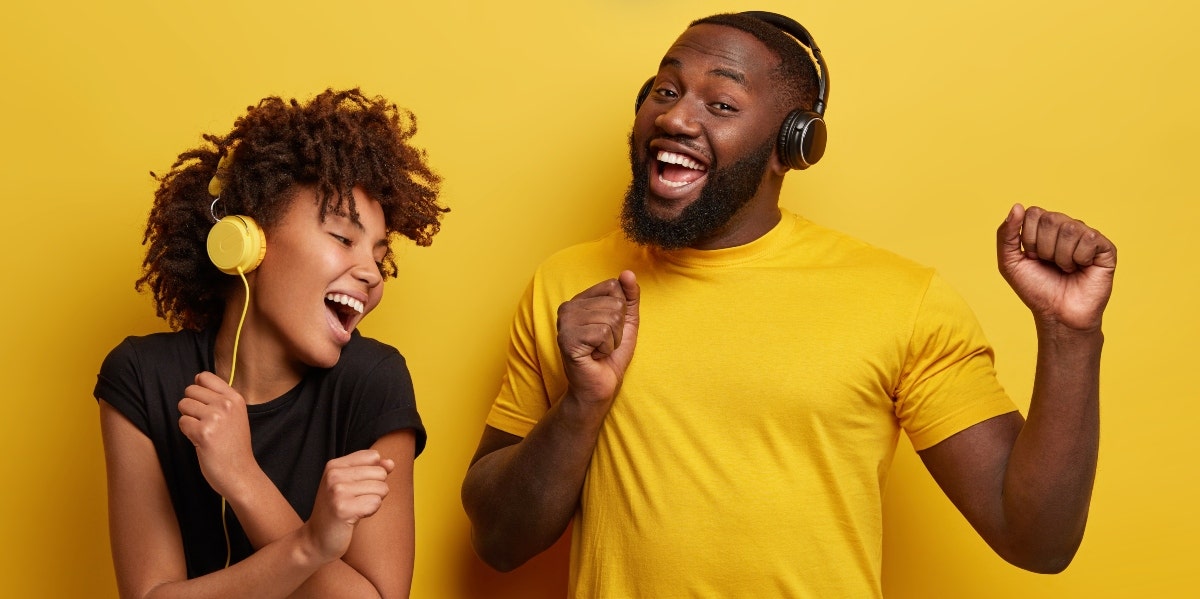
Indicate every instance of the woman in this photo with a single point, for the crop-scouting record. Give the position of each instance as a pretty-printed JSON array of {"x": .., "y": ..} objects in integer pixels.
[{"x": 265, "y": 448}]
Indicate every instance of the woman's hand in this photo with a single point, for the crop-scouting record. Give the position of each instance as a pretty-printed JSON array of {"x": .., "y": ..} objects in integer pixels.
[
  {"x": 214, "y": 419},
  {"x": 352, "y": 488}
]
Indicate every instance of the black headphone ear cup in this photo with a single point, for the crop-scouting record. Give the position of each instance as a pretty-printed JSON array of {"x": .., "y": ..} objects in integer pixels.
[
  {"x": 643, "y": 94},
  {"x": 236, "y": 243},
  {"x": 801, "y": 139}
]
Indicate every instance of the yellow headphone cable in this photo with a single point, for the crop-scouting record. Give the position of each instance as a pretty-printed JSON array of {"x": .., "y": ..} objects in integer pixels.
[{"x": 232, "y": 370}]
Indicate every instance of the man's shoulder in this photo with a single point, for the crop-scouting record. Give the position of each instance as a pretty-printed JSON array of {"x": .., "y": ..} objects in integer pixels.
[
  {"x": 610, "y": 246},
  {"x": 827, "y": 247}
]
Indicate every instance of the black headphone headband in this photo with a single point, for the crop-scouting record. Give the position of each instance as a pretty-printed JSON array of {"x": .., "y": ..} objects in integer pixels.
[{"x": 797, "y": 31}]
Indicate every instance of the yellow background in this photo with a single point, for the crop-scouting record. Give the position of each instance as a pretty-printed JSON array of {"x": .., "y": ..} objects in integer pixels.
[{"x": 943, "y": 113}]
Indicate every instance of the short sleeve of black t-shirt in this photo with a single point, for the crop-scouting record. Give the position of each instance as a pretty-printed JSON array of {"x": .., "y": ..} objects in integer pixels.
[{"x": 330, "y": 413}]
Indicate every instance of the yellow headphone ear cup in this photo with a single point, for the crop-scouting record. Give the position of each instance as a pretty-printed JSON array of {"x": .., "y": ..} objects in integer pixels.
[{"x": 236, "y": 243}]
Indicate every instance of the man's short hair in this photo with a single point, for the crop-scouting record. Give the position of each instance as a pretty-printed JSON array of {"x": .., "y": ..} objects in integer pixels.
[{"x": 796, "y": 76}]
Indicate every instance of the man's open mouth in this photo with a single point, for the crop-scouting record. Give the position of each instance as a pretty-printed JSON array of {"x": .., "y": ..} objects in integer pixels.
[{"x": 678, "y": 170}]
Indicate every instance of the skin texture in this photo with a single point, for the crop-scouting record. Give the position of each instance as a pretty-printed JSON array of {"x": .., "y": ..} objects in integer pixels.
[
  {"x": 358, "y": 541},
  {"x": 1024, "y": 485}
]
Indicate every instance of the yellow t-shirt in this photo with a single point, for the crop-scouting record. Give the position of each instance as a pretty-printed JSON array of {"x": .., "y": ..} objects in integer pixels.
[{"x": 748, "y": 448}]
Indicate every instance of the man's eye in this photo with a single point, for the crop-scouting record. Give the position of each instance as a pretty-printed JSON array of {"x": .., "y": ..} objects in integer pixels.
[
  {"x": 723, "y": 107},
  {"x": 666, "y": 93}
]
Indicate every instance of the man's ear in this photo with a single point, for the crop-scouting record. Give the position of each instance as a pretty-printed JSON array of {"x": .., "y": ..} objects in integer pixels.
[{"x": 776, "y": 166}]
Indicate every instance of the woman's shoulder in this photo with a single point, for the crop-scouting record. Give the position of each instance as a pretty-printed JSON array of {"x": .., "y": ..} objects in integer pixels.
[
  {"x": 144, "y": 375},
  {"x": 158, "y": 348}
]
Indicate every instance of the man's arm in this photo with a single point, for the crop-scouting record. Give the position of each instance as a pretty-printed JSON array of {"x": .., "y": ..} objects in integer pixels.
[
  {"x": 520, "y": 494},
  {"x": 1024, "y": 485}
]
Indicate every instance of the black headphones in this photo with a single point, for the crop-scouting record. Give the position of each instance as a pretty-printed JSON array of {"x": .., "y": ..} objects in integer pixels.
[{"x": 801, "y": 141}]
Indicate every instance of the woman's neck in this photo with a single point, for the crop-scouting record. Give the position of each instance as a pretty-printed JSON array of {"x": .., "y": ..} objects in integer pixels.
[{"x": 263, "y": 370}]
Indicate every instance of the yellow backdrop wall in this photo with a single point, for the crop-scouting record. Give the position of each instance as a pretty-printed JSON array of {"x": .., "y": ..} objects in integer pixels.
[{"x": 943, "y": 114}]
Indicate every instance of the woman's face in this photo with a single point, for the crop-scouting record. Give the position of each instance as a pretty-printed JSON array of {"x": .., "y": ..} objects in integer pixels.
[{"x": 318, "y": 280}]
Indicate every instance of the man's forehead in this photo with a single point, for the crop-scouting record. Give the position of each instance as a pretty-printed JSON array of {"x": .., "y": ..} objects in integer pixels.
[{"x": 729, "y": 45}]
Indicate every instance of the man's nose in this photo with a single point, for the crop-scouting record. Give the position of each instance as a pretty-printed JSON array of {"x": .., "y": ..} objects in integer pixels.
[{"x": 680, "y": 118}]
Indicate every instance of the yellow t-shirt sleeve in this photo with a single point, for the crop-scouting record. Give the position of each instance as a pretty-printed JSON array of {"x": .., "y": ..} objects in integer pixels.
[
  {"x": 948, "y": 382},
  {"x": 522, "y": 399}
]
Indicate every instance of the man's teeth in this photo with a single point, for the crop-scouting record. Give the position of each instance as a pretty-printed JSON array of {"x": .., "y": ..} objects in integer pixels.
[
  {"x": 680, "y": 159},
  {"x": 345, "y": 300}
]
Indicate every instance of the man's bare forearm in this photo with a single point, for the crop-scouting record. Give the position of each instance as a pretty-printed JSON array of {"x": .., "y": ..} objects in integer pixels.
[
  {"x": 521, "y": 497},
  {"x": 1048, "y": 482}
]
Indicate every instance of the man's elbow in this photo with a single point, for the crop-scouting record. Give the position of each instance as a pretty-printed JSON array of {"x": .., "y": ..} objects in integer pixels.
[
  {"x": 1055, "y": 563},
  {"x": 490, "y": 544},
  {"x": 496, "y": 553},
  {"x": 1043, "y": 560}
]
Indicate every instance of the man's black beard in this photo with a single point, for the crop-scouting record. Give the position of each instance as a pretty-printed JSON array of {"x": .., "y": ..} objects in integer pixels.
[{"x": 727, "y": 190}]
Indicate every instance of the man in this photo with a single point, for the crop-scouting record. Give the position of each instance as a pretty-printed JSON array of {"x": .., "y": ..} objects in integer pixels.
[{"x": 722, "y": 421}]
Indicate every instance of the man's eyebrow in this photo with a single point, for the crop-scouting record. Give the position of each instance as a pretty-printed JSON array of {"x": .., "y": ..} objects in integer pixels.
[
  {"x": 736, "y": 76},
  {"x": 667, "y": 61}
]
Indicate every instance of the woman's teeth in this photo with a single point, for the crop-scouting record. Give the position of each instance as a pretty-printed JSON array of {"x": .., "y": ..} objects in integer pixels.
[{"x": 345, "y": 300}]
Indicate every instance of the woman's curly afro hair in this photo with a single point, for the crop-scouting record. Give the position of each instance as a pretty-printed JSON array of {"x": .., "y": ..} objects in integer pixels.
[{"x": 336, "y": 142}]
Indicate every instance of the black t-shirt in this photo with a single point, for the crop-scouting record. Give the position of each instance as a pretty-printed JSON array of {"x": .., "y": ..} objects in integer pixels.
[{"x": 330, "y": 413}]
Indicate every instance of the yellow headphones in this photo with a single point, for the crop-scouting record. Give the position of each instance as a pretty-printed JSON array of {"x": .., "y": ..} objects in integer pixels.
[{"x": 236, "y": 244}]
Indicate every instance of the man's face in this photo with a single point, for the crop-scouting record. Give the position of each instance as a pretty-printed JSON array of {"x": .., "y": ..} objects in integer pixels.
[{"x": 703, "y": 140}]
